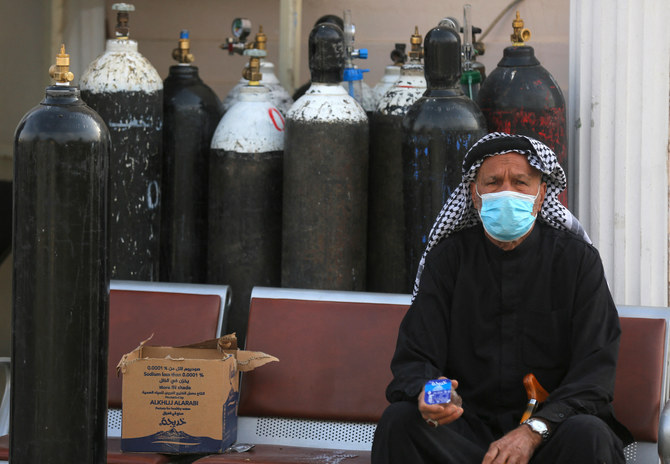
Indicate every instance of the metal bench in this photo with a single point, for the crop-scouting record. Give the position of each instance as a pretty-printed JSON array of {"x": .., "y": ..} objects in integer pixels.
[{"x": 320, "y": 403}]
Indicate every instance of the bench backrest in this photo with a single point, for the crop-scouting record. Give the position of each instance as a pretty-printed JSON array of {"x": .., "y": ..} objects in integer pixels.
[
  {"x": 334, "y": 351},
  {"x": 641, "y": 382},
  {"x": 335, "y": 348}
]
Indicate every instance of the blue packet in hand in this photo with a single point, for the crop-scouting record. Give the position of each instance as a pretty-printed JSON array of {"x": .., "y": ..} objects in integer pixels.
[{"x": 437, "y": 391}]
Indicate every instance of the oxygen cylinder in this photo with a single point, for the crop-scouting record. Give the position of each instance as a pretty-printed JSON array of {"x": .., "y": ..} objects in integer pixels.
[
  {"x": 127, "y": 92},
  {"x": 438, "y": 130},
  {"x": 191, "y": 112},
  {"x": 279, "y": 97},
  {"x": 521, "y": 97},
  {"x": 387, "y": 270},
  {"x": 245, "y": 196},
  {"x": 325, "y": 177},
  {"x": 60, "y": 279}
]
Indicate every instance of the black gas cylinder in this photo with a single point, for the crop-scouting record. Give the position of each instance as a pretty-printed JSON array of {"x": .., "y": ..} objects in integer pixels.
[
  {"x": 127, "y": 92},
  {"x": 245, "y": 197},
  {"x": 191, "y": 112},
  {"x": 60, "y": 280},
  {"x": 325, "y": 177},
  {"x": 438, "y": 130},
  {"x": 386, "y": 268},
  {"x": 521, "y": 97}
]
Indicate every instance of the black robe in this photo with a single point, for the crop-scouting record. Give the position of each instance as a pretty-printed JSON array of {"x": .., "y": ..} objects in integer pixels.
[{"x": 487, "y": 317}]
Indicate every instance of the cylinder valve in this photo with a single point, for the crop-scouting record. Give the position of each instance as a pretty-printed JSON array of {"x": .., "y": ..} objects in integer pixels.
[
  {"x": 60, "y": 71},
  {"x": 182, "y": 54},
  {"x": 122, "y": 30},
  {"x": 255, "y": 51},
  {"x": 398, "y": 55},
  {"x": 520, "y": 35},
  {"x": 416, "y": 52}
]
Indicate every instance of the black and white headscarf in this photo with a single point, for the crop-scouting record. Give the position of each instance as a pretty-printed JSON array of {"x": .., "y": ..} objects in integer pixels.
[{"x": 459, "y": 211}]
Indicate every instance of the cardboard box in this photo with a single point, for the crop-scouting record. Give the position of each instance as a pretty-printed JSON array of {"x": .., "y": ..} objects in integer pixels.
[{"x": 184, "y": 399}]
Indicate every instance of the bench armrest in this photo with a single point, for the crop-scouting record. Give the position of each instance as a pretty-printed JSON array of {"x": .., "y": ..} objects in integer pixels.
[
  {"x": 4, "y": 405},
  {"x": 664, "y": 434}
]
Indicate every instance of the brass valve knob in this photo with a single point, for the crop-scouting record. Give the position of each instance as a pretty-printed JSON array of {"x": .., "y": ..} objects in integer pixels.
[
  {"x": 520, "y": 35},
  {"x": 182, "y": 54},
  {"x": 261, "y": 39},
  {"x": 416, "y": 52},
  {"x": 60, "y": 71}
]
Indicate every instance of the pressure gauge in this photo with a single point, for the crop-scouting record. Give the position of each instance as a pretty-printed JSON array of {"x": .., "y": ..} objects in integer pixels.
[{"x": 241, "y": 28}]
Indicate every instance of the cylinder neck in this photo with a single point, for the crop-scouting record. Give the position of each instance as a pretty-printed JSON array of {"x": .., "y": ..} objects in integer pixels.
[
  {"x": 442, "y": 58},
  {"x": 62, "y": 95},
  {"x": 392, "y": 71},
  {"x": 518, "y": 56},
  {"x": 184, "y": 71},
  {"x": 412, "y": 69},
  {"x": 326, "y": 53},
  {"x": 121, "y": 45},
  {"x": 443, "y": 92},
  {"x": 254, "y": 93}
]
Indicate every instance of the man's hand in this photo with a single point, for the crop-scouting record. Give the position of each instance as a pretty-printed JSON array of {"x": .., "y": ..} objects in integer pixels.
[
  {"x": 516, "y": 447},
  {"x": 442, "y": 413}
]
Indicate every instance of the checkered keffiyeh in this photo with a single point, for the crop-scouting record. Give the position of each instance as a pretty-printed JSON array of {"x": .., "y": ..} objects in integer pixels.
[{"x": 459, "y": 211}]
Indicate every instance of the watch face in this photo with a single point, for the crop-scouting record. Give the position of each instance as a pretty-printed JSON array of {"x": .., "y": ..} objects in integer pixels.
[{"x": 538, "y": 426}]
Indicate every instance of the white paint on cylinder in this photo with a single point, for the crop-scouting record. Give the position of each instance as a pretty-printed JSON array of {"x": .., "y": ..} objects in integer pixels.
[
  {"x": 121, "y": 68},
  {"x": 252, "y": 125},
  {"x": 391, "y": 75},
  {"x": 327, "y": 103},
  {"x": 407, "y": 89}
]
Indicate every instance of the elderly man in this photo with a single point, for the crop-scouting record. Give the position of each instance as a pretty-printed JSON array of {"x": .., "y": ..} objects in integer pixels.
[{"x": 499, "y": 295}]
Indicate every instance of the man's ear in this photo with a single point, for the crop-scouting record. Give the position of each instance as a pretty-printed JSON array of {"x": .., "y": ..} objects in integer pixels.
[
  {"x": 540, "y": 198},
  {"x": 473, "y": 195}
]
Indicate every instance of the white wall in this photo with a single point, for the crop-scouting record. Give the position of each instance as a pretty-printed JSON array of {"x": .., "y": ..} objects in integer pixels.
[{"x": 619, "y": 122}]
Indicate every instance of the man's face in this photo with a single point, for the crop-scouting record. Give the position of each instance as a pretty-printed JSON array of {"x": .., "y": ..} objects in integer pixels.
[{"x": 508, "y": 172}]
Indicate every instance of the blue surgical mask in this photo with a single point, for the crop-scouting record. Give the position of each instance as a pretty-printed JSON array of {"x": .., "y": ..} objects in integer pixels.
[{"x": 507, "y": 215}]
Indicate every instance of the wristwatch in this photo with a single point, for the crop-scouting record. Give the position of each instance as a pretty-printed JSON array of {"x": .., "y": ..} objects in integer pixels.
[{"x": 538, "y": 426}]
